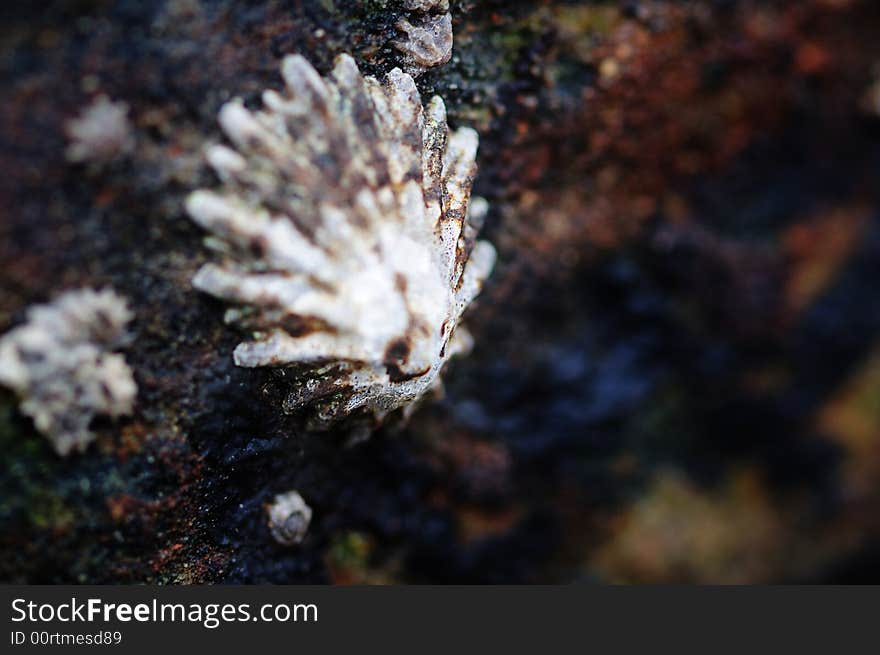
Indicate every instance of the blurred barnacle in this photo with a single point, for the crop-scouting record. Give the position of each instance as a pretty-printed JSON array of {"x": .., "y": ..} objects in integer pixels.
[
  {"x": 59, "y": 364},
  {"x": 101, "y": 133},
  {"x": 289, "y": 518},
  {"x": 426, "y": 39},
  {"x": 345, "y": 237}
]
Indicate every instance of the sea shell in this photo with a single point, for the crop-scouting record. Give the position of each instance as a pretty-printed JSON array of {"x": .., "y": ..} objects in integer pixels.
[
  {"x": 59, "y": 362},
  {"x": 289, "y": 517},
  {"x": 345, "y": 236},
  {"x": 426, "y": 41},
  {"x": 426, "y": 35}
]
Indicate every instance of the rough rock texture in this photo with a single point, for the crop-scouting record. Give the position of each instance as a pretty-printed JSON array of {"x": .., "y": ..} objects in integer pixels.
[
  {"x": 683, "y": 320},
  {"x": 349, "y": 249}
]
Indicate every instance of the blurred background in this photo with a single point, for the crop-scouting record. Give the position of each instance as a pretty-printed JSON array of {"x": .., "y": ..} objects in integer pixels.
[{"x": 676, "y": 375}]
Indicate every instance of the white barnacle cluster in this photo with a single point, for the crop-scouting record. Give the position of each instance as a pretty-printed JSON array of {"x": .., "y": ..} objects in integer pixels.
[
  {"x": 345, "y": 237},
  {"x": 101, "y": 133},
  {"x": 426, "y": 35},
  {"x": 60, "y": 363}
]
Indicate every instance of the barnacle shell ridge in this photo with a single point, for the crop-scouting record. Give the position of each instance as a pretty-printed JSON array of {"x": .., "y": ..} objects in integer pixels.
[{"x": 345, "y": 235}]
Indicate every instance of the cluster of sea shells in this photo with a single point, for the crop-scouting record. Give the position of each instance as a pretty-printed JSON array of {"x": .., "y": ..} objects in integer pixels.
[{"x": 345, "y": 241}]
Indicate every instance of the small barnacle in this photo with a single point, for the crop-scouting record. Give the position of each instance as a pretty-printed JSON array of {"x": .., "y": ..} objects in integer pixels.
[
  {"x": 101, "y": 133},
  {"x": 59, "y": 363},
  {"x": 289, "y": 518},
  {"x": 426, "y": 43},
  {"x": 345, "y": 236},
  {"x": 426, "y": 39}
]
